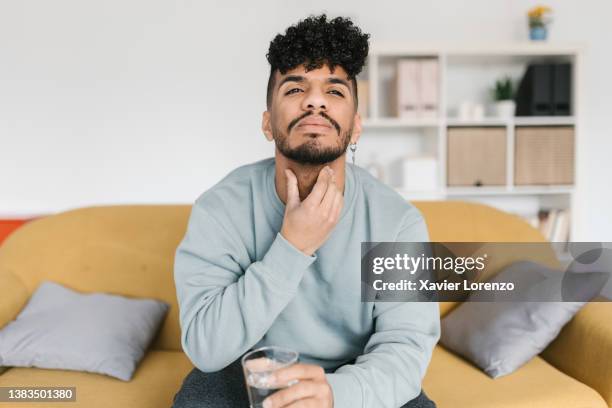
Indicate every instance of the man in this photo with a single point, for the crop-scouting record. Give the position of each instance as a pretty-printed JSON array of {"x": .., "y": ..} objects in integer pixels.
[{"x": 272, "y": 252}]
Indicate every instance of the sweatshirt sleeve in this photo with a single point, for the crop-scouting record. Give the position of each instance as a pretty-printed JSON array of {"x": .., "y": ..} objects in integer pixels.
[
  {"x": 223, "y": 309},
  {"x": 390, "y": 371}
]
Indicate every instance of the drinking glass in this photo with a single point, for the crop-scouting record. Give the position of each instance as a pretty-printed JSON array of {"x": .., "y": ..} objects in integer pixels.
[{"x": 258, "y": 365}]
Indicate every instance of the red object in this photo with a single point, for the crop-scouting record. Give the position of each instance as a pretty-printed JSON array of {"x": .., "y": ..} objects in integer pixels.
[{"x": 8, "y": 226}]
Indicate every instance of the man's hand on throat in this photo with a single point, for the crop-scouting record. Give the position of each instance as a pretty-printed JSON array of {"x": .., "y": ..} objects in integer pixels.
[{"x": 308, "y": 224}]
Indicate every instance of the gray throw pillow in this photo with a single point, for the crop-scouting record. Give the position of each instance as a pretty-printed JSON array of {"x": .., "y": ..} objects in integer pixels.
[
  {"x": 98, "y": 332},
  {"x": 500, "y": 336}
]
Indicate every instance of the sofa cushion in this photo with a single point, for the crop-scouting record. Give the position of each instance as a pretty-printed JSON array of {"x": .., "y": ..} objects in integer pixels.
[
  {"x": 499, "y": 336},
  {"x": 95, "y": 332},
  {"x": 156, "y": 380},
  {"x": 454, "y": 382}
]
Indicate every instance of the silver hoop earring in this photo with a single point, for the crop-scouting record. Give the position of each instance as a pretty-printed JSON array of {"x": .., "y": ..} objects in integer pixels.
[{"x": 353, "y": 147}]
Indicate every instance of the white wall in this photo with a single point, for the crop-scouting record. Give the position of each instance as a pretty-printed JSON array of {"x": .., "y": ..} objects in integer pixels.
[{"x": 154, "y": 101}]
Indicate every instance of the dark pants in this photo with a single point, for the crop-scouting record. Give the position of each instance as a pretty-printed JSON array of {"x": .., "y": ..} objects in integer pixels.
[{"x": 226, "y": 389}]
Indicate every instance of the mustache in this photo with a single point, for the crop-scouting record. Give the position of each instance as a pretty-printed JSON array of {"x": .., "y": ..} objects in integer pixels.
[{"x": 323, "y": 114}]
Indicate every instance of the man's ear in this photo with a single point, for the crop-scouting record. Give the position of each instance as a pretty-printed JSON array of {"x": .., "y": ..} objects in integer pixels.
[
  {"x": 356, "y": 128},
  {"x": 266, "y": 125}
]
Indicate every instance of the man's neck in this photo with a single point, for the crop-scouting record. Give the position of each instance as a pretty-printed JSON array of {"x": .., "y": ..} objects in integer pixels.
[{"x": 306, "y": 175}]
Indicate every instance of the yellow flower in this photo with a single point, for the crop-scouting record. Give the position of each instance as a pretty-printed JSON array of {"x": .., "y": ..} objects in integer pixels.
[{"x": 538, "y": 11}]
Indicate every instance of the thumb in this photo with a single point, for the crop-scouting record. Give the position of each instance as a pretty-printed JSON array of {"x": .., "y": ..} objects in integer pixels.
[{"x": 293, "y": 194}]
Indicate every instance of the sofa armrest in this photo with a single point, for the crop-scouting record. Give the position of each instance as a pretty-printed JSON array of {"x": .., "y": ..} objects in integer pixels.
[
  {"x": 583, "y": 348},
  {"x": 13, "y": 296}
]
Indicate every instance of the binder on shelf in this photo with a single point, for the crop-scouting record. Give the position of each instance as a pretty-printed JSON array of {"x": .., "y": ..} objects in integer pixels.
[
  {"x": 541, "y": 103},
  {"x": 545, "y": 90},
  {"x": 523, "y": 93},
  {"x": 429, "y": 88},
  {"x": 417, "y": 88},
  {"x": 561, "y": 89},
  {"x": 407, "y": 88}
]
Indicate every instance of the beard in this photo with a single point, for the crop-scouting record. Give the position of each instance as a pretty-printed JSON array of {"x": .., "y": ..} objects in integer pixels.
[{"x": 311, "y": 152}]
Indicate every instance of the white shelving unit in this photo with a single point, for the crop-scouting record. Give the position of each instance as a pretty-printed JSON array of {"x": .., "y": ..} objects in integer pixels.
[{"x": 466, "y": 69}]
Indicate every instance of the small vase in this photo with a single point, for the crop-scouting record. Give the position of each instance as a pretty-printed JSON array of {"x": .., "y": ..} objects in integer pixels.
[
  {"x": 505, "y": 109},
  {"x": 538, "y": 33}
]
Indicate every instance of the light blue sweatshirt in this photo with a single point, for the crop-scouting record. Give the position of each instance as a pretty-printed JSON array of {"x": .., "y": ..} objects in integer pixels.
[{"x": 241, "y": 285}]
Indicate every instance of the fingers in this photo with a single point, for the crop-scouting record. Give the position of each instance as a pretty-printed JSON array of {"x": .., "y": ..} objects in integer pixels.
[
  {"x": 329, "y": 198},
  {"x": 320, "y": 187},
  {"x": 297, "y": 372},
  {"x": 337, "y": 207},
  {"x": 289, "y": 395},
  {"x": 258, "y": 364},
  {"x": 305, "y": 403},
  {"x": 293, "y": 193}
]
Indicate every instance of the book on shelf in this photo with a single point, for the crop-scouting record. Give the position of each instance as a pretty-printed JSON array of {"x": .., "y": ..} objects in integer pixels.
[
  {"x": 554, "y": 224},
  {"x": 417, "y": 88}
]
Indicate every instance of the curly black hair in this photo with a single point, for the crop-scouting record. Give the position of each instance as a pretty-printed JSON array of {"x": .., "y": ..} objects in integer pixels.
[{"x": 315, "y": 41}]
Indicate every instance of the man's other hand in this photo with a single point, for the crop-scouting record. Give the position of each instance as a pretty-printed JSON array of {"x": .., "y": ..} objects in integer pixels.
[
  {"x": 307, "y": 224},
  {"x": 310, "y": 388}
]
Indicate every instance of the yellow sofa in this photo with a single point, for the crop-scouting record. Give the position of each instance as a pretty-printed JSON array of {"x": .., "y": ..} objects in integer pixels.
[{"x": 128, "y": 250}]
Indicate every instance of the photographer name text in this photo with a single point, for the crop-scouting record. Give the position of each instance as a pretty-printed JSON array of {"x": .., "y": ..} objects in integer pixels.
[{"x": 426, "y": 284}]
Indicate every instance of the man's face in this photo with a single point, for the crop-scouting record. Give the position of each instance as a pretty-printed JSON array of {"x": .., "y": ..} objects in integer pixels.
[{"x": 312, "y": 117}]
